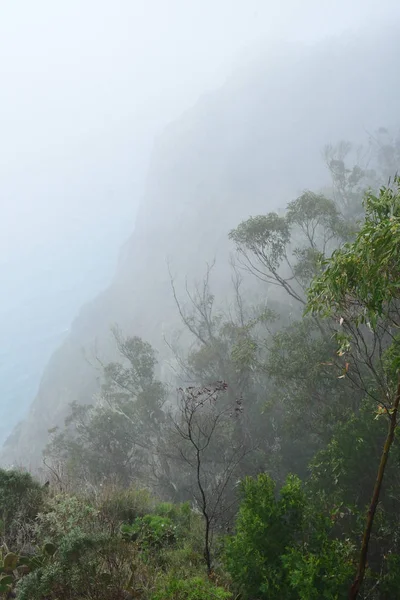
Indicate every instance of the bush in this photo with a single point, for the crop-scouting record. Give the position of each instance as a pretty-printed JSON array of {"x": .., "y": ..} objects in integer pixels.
[
  {"x": 117, "y": 506},
  {"x": 195, "y": 588},
  {"x": 265, "y": 527},
  {"x": 150, "y": 531},
  {"x": 284, "y": 546},
  {"x": 322, "y": 575},
  {"x": 390, "y": 578},
  {"x": 65, "y": 514},
  {"x": 94, "y": 567},
  {"x": 180, "y": 514},
  {"x": 21, "y": 498}
]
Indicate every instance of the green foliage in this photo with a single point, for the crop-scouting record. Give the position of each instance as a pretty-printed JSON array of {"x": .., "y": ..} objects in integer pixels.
[
  {"x": 85, "y": 566},
  {"x": 390, "y": 585},
  {"x": 346, "y": 468},
  {"x": 300, "y": 363},
  {"x": 321, "y": 575},
  {"x": 360, "y": 289},
  {"x": 310, "y": 211},
  {"x": 6, "y": 584},
  {"x": 265, "y": 527},
  {"x": 288, "y": 251},
  {"x": 366, "y": 270},
  {"x": 196, "y": 588},
  {"x": 21, "y": 498},
  {"x": 122, "y": 505},
  {"x": 9, "y": 562},
  {"x": 141, "y": 363},
  {"x": 284, "y": 546},
  {"x": 181, "y": 515},
  {"x": 14, "y": 566},
  {"x": 127, "y": 421},
  {"x": 309, "y": 262},
  {"x": 300, "y": 390},
  {"x": 244, "y": 352},
  {"x": 150, "y": 531},
  {"x": 65, "y": 514},
  {"x": 266, "y": 236},
  {"x": 83, "y": 558},
  {"x": 320, "y": 222}
]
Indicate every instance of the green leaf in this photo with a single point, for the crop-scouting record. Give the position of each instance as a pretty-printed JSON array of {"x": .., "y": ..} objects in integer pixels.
[
  {"x": 49, "y": 548},
  {"x": 10, "y": 561}
]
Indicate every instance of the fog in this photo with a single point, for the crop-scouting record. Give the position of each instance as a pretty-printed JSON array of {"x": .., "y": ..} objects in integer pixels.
[
  {"x": 199, "y": 300},
  {"x": 85, "y": 88}
]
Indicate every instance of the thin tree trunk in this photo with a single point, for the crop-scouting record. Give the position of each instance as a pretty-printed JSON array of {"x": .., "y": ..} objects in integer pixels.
[
  {"x": 355, "y": 588},
  {"x": 207, "y": 553}
]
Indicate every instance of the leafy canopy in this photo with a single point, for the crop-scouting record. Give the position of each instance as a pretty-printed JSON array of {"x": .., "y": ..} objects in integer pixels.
[{"x": 364, "y": 275}]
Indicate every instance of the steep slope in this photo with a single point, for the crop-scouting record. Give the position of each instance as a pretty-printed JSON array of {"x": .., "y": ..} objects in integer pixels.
[{"x": 247, "y": 148}]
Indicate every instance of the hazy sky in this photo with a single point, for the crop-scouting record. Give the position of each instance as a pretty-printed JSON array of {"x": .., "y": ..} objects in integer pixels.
[
  {"x": 86, "y": 83},
  {"x": 85, "y": 87}
]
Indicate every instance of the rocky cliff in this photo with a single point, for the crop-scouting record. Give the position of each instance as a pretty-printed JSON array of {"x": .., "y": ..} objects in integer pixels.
[{"x": 249, "y": 147}]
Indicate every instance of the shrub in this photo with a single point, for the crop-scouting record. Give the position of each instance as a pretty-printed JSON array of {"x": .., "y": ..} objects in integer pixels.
[
  {"x": 21, "y": 498},
  {"x": 65, "y": 514},
  {"x": 265, "y": 527},
  {"x": 322, "y": 575},
  {"x": 195, "y": 588},
  {"x": 85, "y": 566},
  {"x": 150, "y": 531},
  {"x": 284, "y": 546},
  {"x": 117, "y": 506},
  {"x": 180, "y": 514},
  {"x": 390, "y": 578}
]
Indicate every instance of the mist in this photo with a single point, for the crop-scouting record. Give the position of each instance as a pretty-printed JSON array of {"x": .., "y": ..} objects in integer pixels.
[
  {"x": 86, "y": 86},
  {"x": 199, "y": 309}
]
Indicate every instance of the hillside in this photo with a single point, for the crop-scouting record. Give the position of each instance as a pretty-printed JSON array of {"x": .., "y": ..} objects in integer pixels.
[{"x": 249, "y": 147}]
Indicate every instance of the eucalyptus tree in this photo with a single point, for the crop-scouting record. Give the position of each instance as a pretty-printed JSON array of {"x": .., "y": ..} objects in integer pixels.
[
  {"x": 360, "y": 289},
  {"x": 120, "y": 435}
]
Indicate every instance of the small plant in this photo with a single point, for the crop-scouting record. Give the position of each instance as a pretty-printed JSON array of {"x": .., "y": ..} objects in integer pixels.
[
  {"x": 150, "y": 531},
  {"x": 14, "y": 566},
  {"x": 180, "y": 514},
  {"x": 8, "y": 570},
  {"x": 195, "y": 588}
]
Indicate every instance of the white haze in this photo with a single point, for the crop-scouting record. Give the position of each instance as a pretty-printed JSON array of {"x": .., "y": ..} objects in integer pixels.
[{"x": 85, "y": 87}]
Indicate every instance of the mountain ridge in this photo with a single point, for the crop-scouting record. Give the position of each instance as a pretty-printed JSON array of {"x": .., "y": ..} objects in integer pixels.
[{"x": 246, "y": 148}]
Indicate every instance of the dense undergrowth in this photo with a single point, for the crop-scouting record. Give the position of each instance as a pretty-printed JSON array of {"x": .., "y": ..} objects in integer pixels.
[
  {"x": 123, "y": 543},
  {"x": 115, "y": 544}
]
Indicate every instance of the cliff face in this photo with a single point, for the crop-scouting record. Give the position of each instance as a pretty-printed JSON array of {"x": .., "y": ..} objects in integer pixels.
[{"x": 250, "y": 147}]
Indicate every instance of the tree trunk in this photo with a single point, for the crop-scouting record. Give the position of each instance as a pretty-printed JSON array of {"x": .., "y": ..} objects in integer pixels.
[
  {"x": 207, "y": 553},
  {"x": 355, "y": 588}
]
